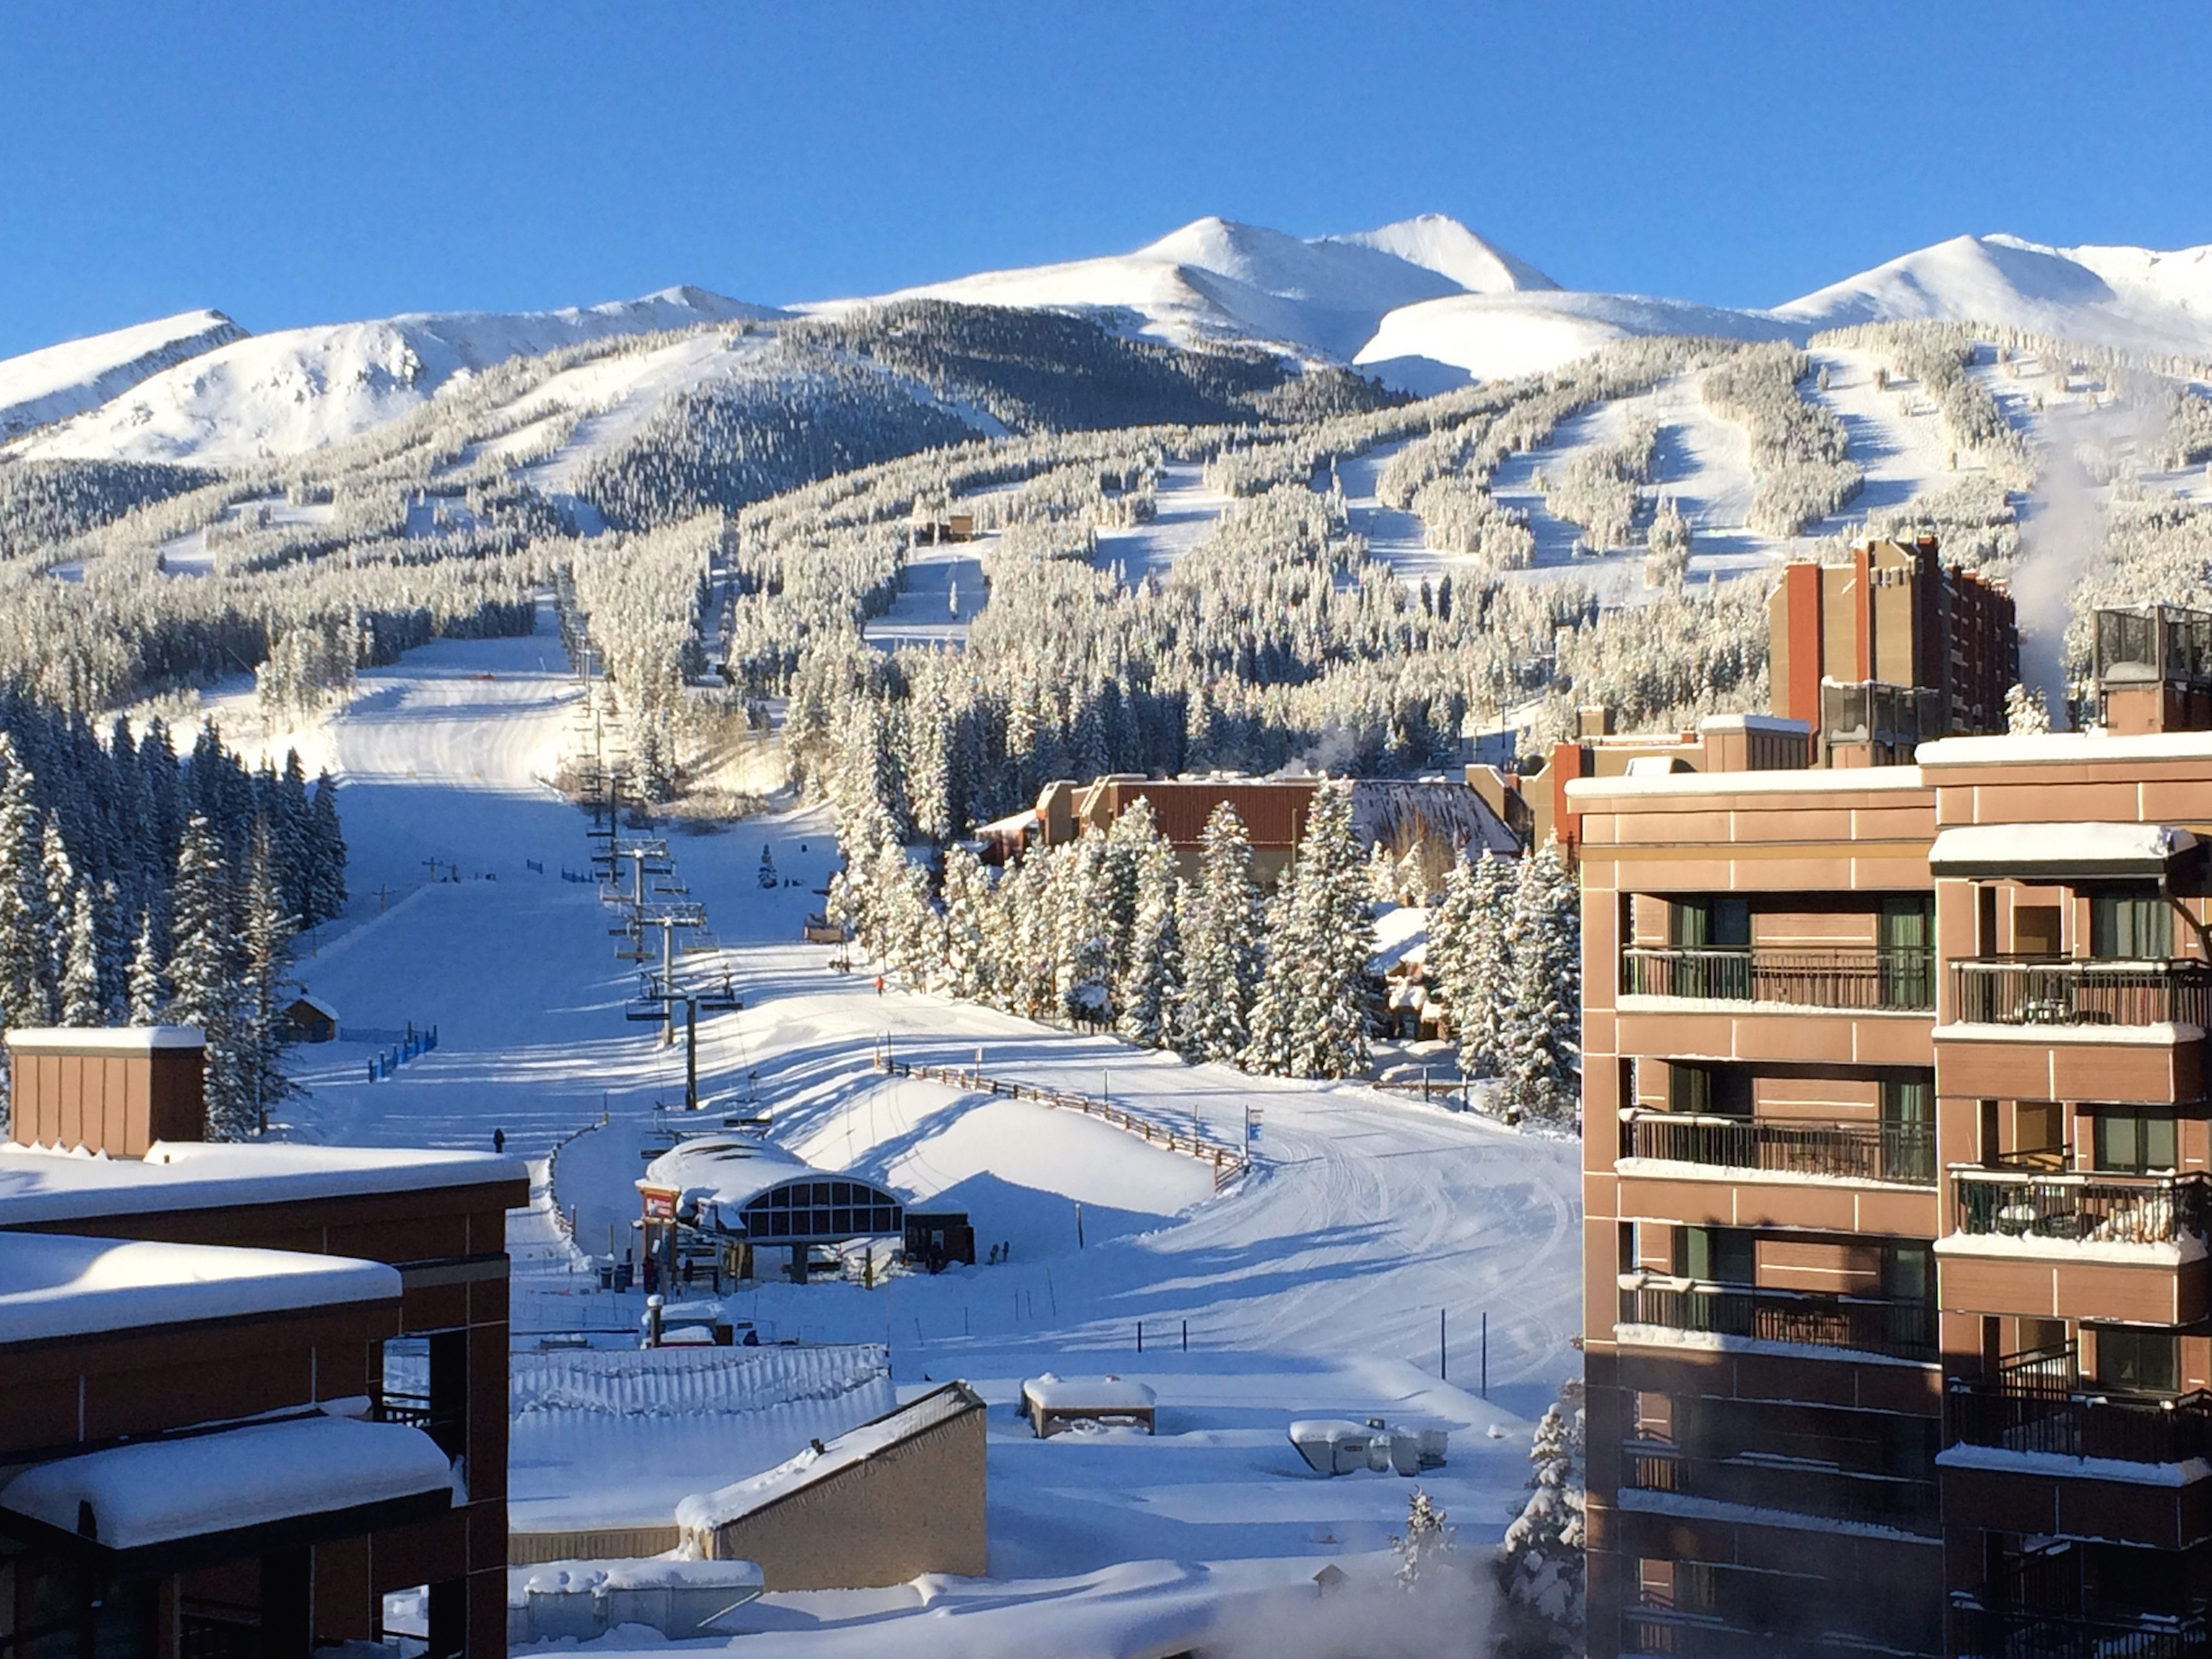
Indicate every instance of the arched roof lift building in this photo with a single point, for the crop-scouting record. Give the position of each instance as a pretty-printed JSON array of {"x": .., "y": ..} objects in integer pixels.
[{"x": 737, "y": 1189}]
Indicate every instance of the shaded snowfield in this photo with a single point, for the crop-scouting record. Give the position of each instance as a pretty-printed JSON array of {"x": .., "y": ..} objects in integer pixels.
[
  {"x": 1185, "y": 516},
  {"x": 1311, "y": 1288},
  {"x": 944, "y": 591}
]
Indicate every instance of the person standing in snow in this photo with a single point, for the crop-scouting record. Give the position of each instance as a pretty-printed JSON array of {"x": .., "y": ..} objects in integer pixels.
[{"x": 499, "y": 1140}]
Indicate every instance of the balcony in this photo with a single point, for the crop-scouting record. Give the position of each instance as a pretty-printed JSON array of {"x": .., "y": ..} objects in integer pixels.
[
  {"x": 1898, "y": 1330},
  {"x": 1863, "y": 979},
  {"x": 1901, "y": 1153},
  {"x": 2060, "y": 1417},
  {"x": 2061, "y": 990},
  {"x": 1664, "y": 1632},
  {"x": 1785, "y": 1484},
  {"x": 2088, "y": 1208},
  {"x": 2021, "y": 1633}
]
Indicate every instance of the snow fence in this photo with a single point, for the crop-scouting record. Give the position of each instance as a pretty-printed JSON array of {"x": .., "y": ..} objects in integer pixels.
[{"x": 667, "y": 1382}]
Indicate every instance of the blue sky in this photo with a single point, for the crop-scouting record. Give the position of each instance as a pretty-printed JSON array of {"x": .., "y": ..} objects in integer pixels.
[{"x": 298, "y": 163}]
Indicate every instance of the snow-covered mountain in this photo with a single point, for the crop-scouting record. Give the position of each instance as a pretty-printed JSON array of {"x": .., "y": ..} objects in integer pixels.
[
  {"x": 1215, "y": 279},
  {"x": 2123, "y": 296},
  {"x": 295, "y": 390},
  {"x": 61, "y": 380},
  {"x": 1422, "y": 303}
]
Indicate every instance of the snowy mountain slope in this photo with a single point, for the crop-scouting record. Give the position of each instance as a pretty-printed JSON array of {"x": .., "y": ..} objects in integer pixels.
[
  {"x": 58, "y": 381},
  {"x": 296, "y": 389},
  {"x": 2129, "y": 298},
  {"x": 1437, "y": 242},
  {"x": 1495, "y": 336},
  {"x": 1215, "y": 278}
]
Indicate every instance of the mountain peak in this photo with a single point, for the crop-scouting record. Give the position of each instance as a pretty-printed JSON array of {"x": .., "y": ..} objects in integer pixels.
[{"x": 1440, "y": 243}]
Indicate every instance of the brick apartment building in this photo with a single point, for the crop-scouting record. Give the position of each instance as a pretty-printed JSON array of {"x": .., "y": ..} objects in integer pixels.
[
  {"x": 197, "y": 1457},
  {"x": 1897, "y": 1148}
]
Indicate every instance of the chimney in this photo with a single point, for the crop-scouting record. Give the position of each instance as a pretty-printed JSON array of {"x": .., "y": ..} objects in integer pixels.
[{"x": 115, "y": 1090}]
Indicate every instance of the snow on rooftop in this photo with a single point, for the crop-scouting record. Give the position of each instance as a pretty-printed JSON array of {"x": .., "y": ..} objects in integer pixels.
[
  {"x": 2059, "y": 848},
  {"x": 156, "y": 1491},
  {"x": 103, "y": 1039},
  {"x": 707, "y": 1511},
  {"x": 40, "y": 1185},
  {"x": 1808, "y": 781},
  {"x": 53, "y": 1286},
  {"x": 1087, "y": 1393},
  {"x": 2094, "y": 744}
]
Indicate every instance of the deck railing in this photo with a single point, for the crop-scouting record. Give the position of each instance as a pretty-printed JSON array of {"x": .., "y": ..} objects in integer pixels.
[
  {"x": 2101, "y": 1208},
  {"x": 1835, "y": 1494},
  {"x": 2019, "y": 1633},
  {"x": 2030, "y": 1413},
  {"x": 1903, "y": 1153},
  {"x": 2061, "y": 990},
  {"x": 1838, "y": 977},
  {"x": 1901, "y": 1330}
]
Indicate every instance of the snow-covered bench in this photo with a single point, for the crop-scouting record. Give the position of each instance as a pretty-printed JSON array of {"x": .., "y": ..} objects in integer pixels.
[{"x": 1049, "y": 1399}]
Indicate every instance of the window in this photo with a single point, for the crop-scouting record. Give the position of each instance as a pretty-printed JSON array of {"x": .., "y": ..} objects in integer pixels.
[
  {"x": 1906, "y": 1272},
  {"x": 2144, "y": 1361},
  {"x": 2134, "y": 1140},
  {"x": 2130, "y": 923},
  {"x": 1903, "y": 929},
  {"x": 1712, "y": 1090},
  {"x": 1721, "y": 922},
  {"x": 1715, "y": 1255},
  {"x": 1909, "y": 1129}
]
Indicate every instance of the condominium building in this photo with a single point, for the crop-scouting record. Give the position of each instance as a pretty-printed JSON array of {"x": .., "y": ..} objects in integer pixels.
[
  {"x": 1896, "y": 1144},
  {"x": 199, "y": 1456}
]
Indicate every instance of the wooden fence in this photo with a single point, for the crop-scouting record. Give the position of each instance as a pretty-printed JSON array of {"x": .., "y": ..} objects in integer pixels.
[{"x": 1228, "y": 1162}]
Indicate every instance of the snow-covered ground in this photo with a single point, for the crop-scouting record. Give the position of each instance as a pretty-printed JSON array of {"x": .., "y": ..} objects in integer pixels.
[
  {"x": 1312, "y": 1287},
  {"x": 1184, "y": 516},
  {"x": 943, "y": 593}
]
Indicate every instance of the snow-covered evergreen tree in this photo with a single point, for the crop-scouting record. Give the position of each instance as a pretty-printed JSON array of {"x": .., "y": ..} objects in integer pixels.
[
  {"x": 1220, "y": 921},
  {"x": 1152, "y": 983},
  {"x": 1424, "y": 1543},
  {"x": 1482, "y": 967},
  {"x": 326, "y": 854},
  {"x": 1311, "y": 1016},
  {"x": 1083, "y": 931},
  {"x": 264, "y": 1033},
  {"x": 149, "y": 995},
  {"x": 767, "y": 877},
  {"x": 2027, "y": 713},
  {"x": 1540, "y": 1035},
  {"x": 203, "y": 966},
  {"x": 26, "y": 989},
  {"x": 968, "y": 963},
  {"x": 1543, "y": 1556},
  {"x": 80, "y": 987}
]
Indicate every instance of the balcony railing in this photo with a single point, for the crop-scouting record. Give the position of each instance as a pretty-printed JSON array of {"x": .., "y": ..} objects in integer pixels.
[
  {"x": 1837, "y": 978},
  {"x": 2067, "y": 1419},
  {"x": 2061, "y": 990},
  {"x": 1851, "y": 1151},
  {"x": 1900, "y": 1330},
  {"x": 445, "y": 1422},
  {"x": 2019, "y": 1633},
  {"x": 1664, "y": 1632},
  {"x": 2100, "y": 1208},
  {"x": 1792, "y": 1486}
]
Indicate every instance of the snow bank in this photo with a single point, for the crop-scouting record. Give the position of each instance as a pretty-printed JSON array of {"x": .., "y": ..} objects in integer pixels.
[{"x": 159, "y": 1490}]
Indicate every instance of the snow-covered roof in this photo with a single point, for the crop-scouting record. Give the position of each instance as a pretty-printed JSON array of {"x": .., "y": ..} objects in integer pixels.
[
  {"x": 707, "y": 1511},
  {"x": 1056, "y": 1394},
  {"x": 2094, "y": 744},
  {"x": 730, "y": 1171},
  {"x": 2057, "y": 850},
  {"x": 316, "y": 1003},
  {"x": 156, "y": 1491},
  {"x": 38, "y": 1185},
  {"x": 1779, "y": 725},
  {"x": 1809, "y": 781},
  {"x": 103, "y": 1039},
  {"x": 53, "y": 1284}
]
